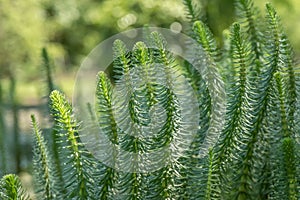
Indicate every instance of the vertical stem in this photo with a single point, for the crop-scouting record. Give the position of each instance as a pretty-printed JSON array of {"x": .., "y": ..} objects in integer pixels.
[
  {"x": 54, "y": 133},
  {"x": 16, "y": 136},
  {"x": 2, "y": 135},
  {"x": 47, "y": 65}
]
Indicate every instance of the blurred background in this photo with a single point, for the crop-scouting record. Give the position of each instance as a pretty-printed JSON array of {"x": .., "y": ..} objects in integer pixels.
[{"x": 69, "y": 30}]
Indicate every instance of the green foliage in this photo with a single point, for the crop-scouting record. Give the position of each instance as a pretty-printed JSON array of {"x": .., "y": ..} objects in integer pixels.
[
  {"x": 11, "y": 188},
  {"x": 257, "y": 151},
  {"x": 252, "y": 135},
  {"x": 247, "y": 16},
  {"x": 54, "y": 150},
  {"x": 193, "y": 10},
  {"x": 76, "y": 162},
  {"x": 46, "y": 178},
  {"x": 205, "y": 38},
  {"x": 108, "y": 127},
  {"x": 48, "y": 68}
]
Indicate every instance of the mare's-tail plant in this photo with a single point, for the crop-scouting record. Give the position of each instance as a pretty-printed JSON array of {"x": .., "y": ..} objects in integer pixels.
[
  {"x": 11, "y": 188},
  {"x": 256, "y": 154},
  {"x": 50, "y": 86},
  {"x": 46, "y": 175}
]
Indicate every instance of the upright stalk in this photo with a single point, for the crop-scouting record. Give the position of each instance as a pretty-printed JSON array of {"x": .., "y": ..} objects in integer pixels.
[
  {"x": 2, "y": 135},
  {"x": 16, "y": 135}
]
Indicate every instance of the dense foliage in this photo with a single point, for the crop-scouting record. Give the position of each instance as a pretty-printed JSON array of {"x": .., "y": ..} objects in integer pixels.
[{"x": 256, "y": 155}]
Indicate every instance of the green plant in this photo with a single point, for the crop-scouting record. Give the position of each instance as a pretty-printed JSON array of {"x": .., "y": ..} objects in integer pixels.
[
  {"x": 256, "y": 155},
  {"x": 11, "y": 188}
]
